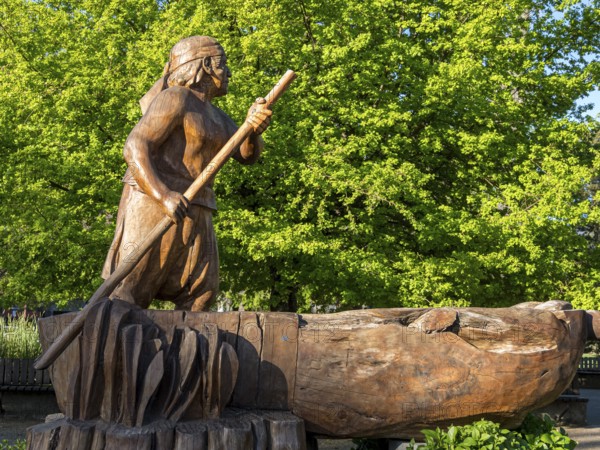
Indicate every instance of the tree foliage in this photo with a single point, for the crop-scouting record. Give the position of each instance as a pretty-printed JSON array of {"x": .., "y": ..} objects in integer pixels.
[{"x": 430, "y": 152}]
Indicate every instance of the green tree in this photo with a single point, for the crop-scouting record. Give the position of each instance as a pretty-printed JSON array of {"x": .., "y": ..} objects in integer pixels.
[
  {"x": 66, "y": 109},
  {"x": 430, "y": 153}
]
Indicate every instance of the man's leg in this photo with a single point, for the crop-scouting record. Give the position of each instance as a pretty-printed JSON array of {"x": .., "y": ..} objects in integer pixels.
[
  {"x": 201, "y": 273},
  {"x": 140, "y": 215}
]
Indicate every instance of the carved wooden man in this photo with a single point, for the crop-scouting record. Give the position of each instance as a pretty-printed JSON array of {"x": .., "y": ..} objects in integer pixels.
[{"x": 173, "y": 142}]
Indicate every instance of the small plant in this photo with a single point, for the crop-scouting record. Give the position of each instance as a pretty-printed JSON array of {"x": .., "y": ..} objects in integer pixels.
[
  {"x": 19, "y": 340},
  {"x": 536, "y": 433},
  {"x": 19, "y": 444},
  {"x": 541, "y": 434},
  {"x": 592, "y": 349}
]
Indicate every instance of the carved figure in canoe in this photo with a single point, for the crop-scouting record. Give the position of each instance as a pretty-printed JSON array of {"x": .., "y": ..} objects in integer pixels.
[{"x": 176, "y": 138}]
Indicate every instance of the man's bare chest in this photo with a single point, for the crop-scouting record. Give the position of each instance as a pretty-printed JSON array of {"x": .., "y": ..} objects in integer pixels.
[
  {"x": 205, "y": 132},
  {"x": 193, "y": 142}
]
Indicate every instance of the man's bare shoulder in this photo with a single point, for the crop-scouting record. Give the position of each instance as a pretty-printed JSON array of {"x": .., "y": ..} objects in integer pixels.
[{"x": 174, "y": 101}]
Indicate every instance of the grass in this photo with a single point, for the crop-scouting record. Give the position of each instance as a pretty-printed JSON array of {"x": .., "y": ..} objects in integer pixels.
[
  {"x": 19, "y": 340},
  {"x": 18, "y": 445}
]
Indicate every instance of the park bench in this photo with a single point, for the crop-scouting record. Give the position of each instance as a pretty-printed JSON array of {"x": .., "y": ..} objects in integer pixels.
[{"x": 19, "y": 375}]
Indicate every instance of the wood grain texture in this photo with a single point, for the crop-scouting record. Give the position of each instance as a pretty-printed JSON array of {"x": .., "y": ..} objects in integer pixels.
[
  {"x": 249, "y": 349},
  {"x": 230, "y": 435},
  {"x": 210, "y": 373},
  {"x": 75, "y": 435},
  {"x": 259, "y": 429},
  {"x": 130, "y": 370},
  {"x": 277, "y": 374},
  {"x": 112, "y": 362},
  {"x": 151, "y": 381},
  {"x": 93, "y": 337},
  {"x": 191, "y": 436},
  {"x": 120, "y": 437},
  {"x": 131, "y": 346},
  {"x": 370, "y": 373},
  {"x": 164, "y": 435},
  {"x": 72, "y": 382},
  {"x": 228, "y": 373},
  {"x": 593, "y": 325},
  {"x": 285, "y": 431},
  {"x": 44, "y": 436},
  {"x": 227, "y": 322},
  {"x": 99, "y": 440}
]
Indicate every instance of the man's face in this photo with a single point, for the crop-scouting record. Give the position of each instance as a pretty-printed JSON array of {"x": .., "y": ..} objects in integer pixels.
[{"x": 221, "y": 74}]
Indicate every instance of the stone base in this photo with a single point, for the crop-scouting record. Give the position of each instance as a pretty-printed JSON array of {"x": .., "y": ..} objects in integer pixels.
[{"x": 236, "y": 430}]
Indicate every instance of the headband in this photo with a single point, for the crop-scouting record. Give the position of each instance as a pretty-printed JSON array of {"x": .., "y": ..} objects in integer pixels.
[{"x": 176, "y": 61}]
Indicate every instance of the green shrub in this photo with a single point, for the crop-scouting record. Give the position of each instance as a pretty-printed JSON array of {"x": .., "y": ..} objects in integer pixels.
[
  {"x": 20, "y": 444},
  {"x": 19, "y": 340},
  {"x": 536, "y": 433},
  {"x": 592, "y": 349}
]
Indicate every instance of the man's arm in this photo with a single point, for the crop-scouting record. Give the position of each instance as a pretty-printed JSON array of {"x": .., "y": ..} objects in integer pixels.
[
  {"x": 165, "y": 113},
  {"x": 250, "y": 150}
]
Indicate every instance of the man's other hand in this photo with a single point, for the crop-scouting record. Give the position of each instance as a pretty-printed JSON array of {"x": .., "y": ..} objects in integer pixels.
[
  {"x": 259, "y": 116},
  {"x": 175, "y": 205}
]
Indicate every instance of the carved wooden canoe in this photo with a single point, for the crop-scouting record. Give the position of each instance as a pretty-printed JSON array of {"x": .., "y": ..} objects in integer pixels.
[{"x": 387, "y": 372}]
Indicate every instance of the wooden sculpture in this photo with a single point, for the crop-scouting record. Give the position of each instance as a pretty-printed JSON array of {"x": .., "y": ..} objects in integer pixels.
[
  {"x": 164, "y": 259},
  {"x": 367, "y": 373},
  {"x": 121, "y": 381},
  {"x": 177, "y": 137},
  {"x": 131, "y": 378}
]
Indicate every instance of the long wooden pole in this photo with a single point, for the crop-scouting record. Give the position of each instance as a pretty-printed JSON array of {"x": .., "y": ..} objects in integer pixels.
[{"x": 128, "y": 263}]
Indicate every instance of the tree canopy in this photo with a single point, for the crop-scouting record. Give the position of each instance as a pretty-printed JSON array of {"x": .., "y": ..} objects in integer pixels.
[{"x": 430, "y": 152}]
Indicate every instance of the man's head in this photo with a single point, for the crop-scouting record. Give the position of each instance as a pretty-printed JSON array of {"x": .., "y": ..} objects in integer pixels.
[{"x": 191, "y": 59}]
